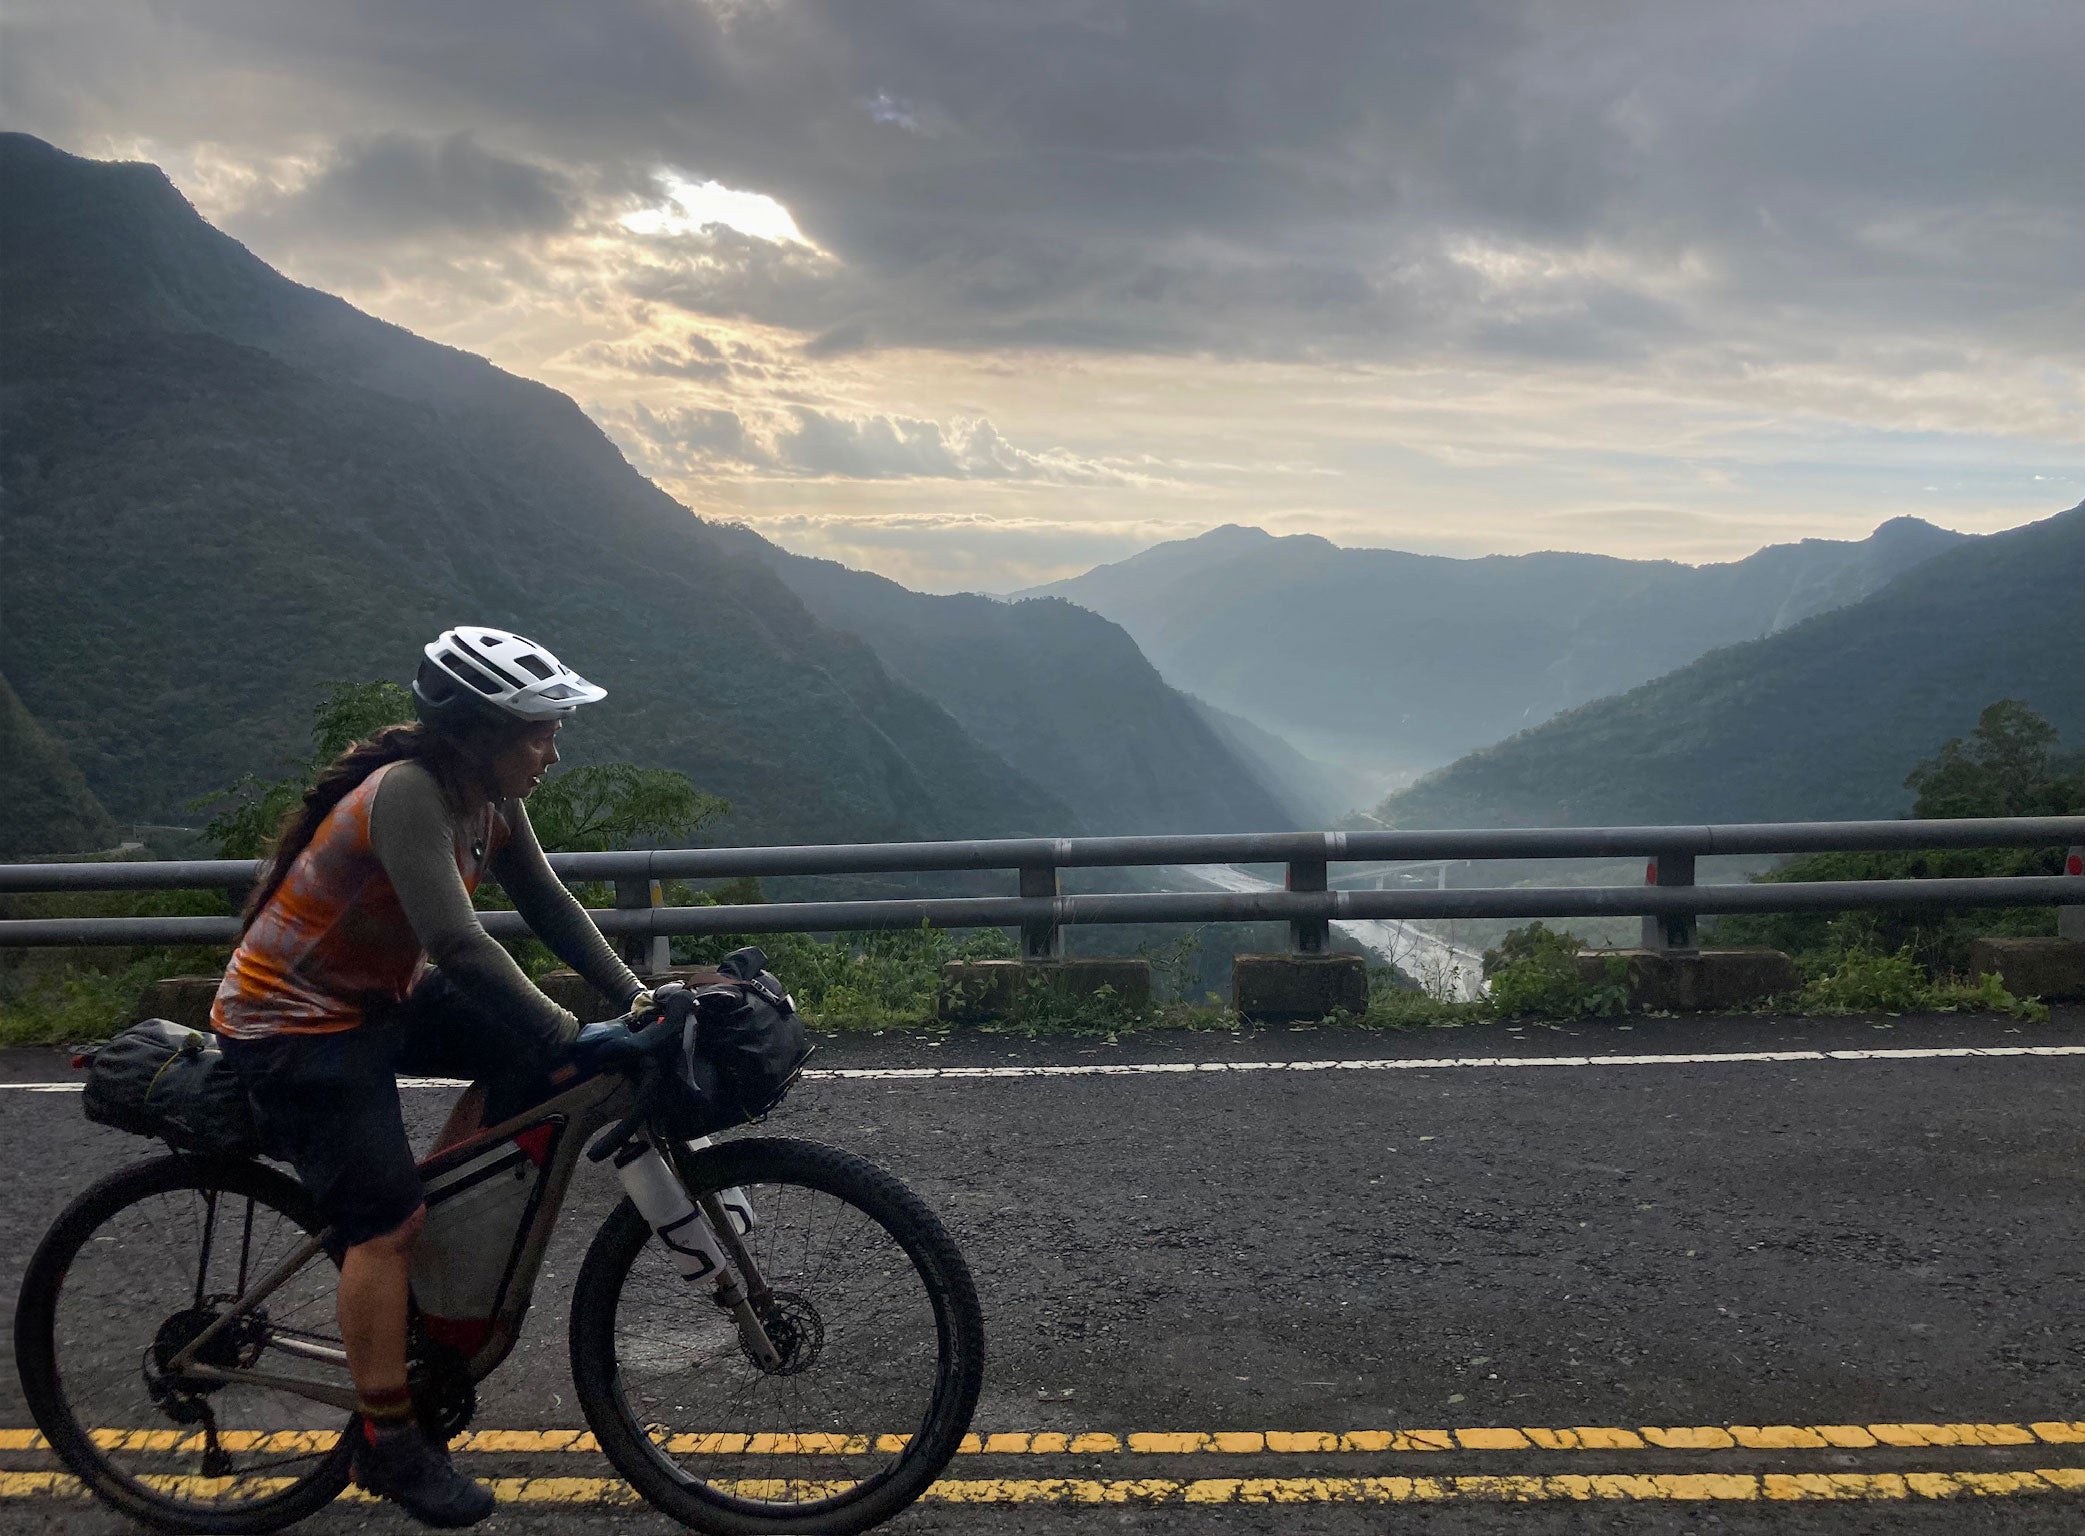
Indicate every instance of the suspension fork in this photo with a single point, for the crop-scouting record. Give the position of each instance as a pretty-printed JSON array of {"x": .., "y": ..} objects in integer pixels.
[{"x": 702, "y": 1240}]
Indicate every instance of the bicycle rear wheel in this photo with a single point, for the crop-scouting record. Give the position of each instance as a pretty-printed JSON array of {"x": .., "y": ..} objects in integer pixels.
[
  {"x": 874, "y": 1314},
  {"x": 129, "y": 1274}
]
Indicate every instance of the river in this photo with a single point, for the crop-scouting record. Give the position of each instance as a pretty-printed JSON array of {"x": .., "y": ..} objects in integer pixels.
[{"x": 1437, "y": 964}]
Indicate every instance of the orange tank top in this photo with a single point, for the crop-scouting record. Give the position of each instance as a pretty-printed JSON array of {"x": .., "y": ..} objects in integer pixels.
[{"x": 334, "y": 938}]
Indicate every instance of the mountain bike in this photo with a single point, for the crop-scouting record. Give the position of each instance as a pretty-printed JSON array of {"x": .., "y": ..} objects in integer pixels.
[{"x": 767, "y": 1335}]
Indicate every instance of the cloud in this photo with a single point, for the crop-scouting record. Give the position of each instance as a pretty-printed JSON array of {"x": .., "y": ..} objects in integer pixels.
[
  {"x": 1393, "y": 271},
  {"x": 694, "y": 356},
  {"x": 685, "y": 440},
  {"x": 826, "y": 444},
  {"x": 877, "y": 447},
  {"x": 1179, "y": 178},
  {"x": 965, "y": 550},
  {"x": 394, "y": 186}
]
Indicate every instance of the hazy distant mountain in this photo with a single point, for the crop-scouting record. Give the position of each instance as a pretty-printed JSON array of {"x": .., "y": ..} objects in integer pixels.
[
  {"x": 1322, "y": 793},
  {"x": 1819, "y": 722},
  {"x": 1389, "y": 660},
  {"x": 1060, "y": 693},
  {"x": 45, "y": 806},
  {"x": 223, "y": 490}
]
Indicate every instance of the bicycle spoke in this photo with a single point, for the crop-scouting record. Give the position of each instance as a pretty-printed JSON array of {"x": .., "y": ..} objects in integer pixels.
[
  {"x": 795, "y": 1437},
  {"x": 195, "y": 1444}
]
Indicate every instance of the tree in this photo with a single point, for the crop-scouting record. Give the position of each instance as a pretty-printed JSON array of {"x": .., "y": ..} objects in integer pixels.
[
  {"x": 2004, "y": 768},
  {"x": 605, "y": 806},
  {"x": 592, "y": 809},
  {"x": 2007, "y": 766}
]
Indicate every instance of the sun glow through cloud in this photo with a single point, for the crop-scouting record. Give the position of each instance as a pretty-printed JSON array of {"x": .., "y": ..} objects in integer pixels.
[
  {"x": 1643, "y": 280},
  {"x": 692, "y": 206}
]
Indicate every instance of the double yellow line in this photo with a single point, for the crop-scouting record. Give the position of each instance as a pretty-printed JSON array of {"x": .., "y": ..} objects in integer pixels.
[
  {"x": 1655, "y": 1487},
  {"x": 1518, "y": 1487},
  {"x": 1686, "y": 1437}
]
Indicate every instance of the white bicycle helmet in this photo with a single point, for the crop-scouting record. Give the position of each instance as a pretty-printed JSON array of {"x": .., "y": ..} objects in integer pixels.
[{"x": 477, "y": 676}]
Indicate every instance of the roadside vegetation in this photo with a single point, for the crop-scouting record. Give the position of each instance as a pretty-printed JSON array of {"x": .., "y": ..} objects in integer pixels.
[{"x": 1850, "y": 962}]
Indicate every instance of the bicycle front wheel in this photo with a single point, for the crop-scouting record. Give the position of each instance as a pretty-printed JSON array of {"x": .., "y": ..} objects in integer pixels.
[
  {"x": 133, "y": 1272},
  {"x": 874, "y": 1316}
]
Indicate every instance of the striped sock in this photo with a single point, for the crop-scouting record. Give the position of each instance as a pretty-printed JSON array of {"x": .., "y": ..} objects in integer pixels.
[{"x": 385, "y": 1412}]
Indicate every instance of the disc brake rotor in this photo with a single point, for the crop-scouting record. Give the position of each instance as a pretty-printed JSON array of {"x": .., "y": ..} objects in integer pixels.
[{"x": 795, "y": 1330}]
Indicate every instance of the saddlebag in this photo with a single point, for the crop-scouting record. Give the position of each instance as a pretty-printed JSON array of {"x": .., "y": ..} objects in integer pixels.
[{"x": 160, "y": 1079}]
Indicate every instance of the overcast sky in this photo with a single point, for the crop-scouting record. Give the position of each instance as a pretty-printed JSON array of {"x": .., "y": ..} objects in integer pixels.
[{"x": 978, "y": 294}]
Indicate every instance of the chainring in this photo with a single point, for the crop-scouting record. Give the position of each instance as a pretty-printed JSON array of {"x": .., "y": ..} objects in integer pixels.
[{"x": 444, "y": 1398}]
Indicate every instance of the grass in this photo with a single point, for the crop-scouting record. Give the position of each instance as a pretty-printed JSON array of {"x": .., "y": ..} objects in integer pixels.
[{"x": 870, "y": 983}]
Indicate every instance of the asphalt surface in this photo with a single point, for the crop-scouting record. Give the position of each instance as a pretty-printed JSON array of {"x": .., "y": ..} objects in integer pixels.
[{"x": 1714, "y": 1243}]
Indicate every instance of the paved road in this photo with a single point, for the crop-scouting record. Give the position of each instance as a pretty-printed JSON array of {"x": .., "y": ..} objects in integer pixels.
[{"x": 1884, "y": 1237}]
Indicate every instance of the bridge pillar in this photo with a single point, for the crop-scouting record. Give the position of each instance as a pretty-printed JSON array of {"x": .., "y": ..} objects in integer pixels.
[{"x": 1671, "y": 930}]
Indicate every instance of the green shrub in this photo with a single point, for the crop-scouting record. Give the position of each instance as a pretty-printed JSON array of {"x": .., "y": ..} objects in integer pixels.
[
  {"x": 1534, "y": 972},
  {"x": 63, "y": 994},
  {"x": 1872, "y": 981},
  {"x": 1866, "y": 981},
  {"x": 1394, "y": 1005}
]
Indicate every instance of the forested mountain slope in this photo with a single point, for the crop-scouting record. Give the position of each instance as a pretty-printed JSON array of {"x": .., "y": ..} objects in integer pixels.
[
  {"x": 1819, "y": 722},
  {"x": 1394, "y": 661},
  {"x": 45, "y": 806},
  {"x": 1059, "y": 692},
  {"x": 223, "y": 490}
]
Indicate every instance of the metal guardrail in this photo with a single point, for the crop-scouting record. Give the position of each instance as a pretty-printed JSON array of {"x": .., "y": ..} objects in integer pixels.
[{"x": 1669, "y": 901}]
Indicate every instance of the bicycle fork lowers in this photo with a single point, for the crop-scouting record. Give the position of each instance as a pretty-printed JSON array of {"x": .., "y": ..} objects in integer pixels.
[{"x": 706, "y": 1239}]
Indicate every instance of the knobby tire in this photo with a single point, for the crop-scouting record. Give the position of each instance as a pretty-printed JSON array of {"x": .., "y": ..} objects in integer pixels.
[
  {"x": 845, "y": 1185},
  {"x": 37, "y": 1345}
]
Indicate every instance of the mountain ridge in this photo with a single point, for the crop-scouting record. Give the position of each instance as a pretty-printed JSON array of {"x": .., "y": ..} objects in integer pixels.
[
  {"x": 278, "y": 492},
  {"x": 1396, "y": 661},
  {"x": 1818, "y": 721},
  {"x": 1054, "y": 689}
]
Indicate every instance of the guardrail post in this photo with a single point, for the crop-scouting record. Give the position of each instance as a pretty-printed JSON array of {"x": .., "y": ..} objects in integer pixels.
[
  {"x": 646, "y": 954},
  {"x": 2070, "y": 918},
  {"x": 1043, "y": 940},
  {"x": 1308, "y": 936},
  {"x": 1671, "y": 930}
]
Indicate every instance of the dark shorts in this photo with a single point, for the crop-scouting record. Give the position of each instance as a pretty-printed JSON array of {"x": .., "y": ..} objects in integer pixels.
[{"x": 328, "y": 1104}]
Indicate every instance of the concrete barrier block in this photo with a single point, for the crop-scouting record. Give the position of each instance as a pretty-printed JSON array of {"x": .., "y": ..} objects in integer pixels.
[
  {"x": 1697, "y": 981},
  {"x": 568, "y": 989},
  {"x": 178, "y": 1000},
  {"x": 2051, "y": 969},
  {"x": 1289, "y": 988},
  {"x": 973, "y": 991}
]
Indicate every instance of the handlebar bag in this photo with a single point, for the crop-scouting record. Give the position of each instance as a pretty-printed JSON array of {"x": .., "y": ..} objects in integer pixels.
[
  {"x": 161, "y": 1079},
  {"x": 745, "y": 1046}
]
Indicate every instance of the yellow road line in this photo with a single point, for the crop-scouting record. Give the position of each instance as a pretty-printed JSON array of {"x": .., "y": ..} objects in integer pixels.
[
  {"x": 1699, "y": 1437},
  {"x": 1672, "y": 1487}
]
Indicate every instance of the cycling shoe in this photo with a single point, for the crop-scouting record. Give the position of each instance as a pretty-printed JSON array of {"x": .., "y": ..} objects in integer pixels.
[{"x": 415, "y": 1474}]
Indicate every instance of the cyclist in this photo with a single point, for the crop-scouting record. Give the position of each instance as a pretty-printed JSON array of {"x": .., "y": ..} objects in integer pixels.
[{"x": 331, "y": 994}]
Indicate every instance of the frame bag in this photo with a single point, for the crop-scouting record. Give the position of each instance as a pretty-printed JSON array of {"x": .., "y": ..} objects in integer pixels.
[{"x": 160, "y": 1079}]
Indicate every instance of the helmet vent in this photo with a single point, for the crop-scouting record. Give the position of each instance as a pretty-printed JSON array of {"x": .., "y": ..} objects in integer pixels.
[
  {"x": 458, "y": 667},
  {"x": 502, "y": 679},
  {"x": 528, "y": 661}
]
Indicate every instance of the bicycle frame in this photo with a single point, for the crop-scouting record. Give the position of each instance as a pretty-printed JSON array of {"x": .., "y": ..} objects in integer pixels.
[{"x": 554, "y": 1134}]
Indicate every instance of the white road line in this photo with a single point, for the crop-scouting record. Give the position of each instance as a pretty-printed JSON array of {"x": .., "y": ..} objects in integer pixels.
[{"x": 1385, "y": 1064}]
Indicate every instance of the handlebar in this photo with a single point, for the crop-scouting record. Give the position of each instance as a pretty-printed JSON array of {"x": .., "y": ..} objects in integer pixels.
[{"x": 674, "y": 1003}]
